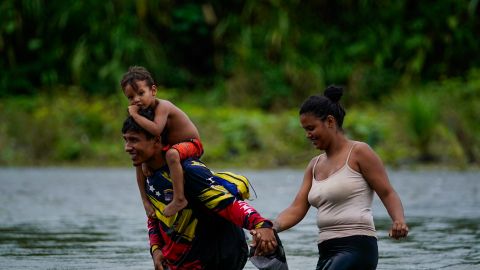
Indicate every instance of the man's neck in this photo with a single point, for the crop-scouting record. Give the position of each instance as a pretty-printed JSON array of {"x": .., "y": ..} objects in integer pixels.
[{"x": 156, "y": 162}]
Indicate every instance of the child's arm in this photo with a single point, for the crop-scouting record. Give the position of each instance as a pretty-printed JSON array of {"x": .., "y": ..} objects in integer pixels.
[
  {"x": 158, "y": 124},
  {"x": 149, "y": 210}
]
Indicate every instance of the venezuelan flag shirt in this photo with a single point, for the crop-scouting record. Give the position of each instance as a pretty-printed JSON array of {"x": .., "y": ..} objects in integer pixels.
[{"x": 207, "y": 234}]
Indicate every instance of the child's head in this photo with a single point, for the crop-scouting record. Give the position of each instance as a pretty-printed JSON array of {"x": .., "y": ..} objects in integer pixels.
[{"x": 139, "y": 87}]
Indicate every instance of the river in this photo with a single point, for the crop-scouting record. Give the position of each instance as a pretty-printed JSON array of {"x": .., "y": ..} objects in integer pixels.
[{"x": 63, "y": 218}]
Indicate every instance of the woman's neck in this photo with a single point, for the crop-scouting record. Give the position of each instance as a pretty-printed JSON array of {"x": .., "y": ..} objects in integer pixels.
[{"x": 339, "y": 141}]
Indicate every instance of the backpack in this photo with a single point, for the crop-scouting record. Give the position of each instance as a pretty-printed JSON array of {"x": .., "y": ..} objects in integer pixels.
[{"x": 237, "y": 185}]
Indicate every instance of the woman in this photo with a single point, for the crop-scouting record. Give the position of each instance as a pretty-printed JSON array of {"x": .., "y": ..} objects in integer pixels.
[{"x": 340, "y": 184}]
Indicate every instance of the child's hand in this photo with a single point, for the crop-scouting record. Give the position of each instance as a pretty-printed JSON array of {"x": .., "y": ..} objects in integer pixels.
[
  {"x": 133, "y": 109},
  {"x": 146, "y": 170},
  {"x": 149, "y": 210}
]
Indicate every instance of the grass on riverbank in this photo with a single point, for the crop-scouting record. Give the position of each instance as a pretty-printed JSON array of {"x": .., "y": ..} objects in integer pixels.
[{"x": 437, "y": 125}]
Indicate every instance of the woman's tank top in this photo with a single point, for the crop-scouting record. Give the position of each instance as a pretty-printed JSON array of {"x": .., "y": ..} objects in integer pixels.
[{"x": 344, "y": 203}]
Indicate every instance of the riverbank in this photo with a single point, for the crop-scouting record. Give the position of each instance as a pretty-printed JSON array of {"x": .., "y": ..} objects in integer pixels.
[{"x": 434, "y": 127}]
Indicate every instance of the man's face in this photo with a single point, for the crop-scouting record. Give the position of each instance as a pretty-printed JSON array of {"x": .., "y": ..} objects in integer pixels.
[{"x": 139, "y": 147}]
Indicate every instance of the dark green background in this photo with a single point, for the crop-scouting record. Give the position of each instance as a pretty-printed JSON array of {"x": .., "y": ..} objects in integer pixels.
[{"x": 240, "y": 69}]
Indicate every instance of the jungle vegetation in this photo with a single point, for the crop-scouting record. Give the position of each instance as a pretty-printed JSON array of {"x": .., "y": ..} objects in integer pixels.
[{"x": 240, "y": 69}]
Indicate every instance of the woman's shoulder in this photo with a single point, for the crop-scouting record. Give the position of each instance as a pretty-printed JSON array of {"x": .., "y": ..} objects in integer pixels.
[
  {"x": 316, "y": 159},
  {"x": 362, "y": 151},
  {"x": 360, "y": 146}
]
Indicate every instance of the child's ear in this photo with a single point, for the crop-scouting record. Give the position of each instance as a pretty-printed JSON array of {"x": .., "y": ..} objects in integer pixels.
[{"x": 154, "y": 89}]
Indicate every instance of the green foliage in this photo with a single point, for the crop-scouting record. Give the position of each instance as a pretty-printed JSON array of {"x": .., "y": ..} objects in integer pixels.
[
  {"x": 58, "y": 128},
  {"x": 271, "y": 54},
  {"x": 68, "y": 127},
  {"x": 239, "y": 68},
  {"x": 239, "y": 137}
]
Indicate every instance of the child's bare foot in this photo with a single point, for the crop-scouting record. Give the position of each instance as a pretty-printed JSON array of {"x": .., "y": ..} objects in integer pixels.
[{"x": 174, "y": 206}]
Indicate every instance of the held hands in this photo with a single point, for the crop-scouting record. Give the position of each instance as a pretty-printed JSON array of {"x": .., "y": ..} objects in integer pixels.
[
  {"x": 265, "y": 241},
  {"x": 399, "y": 230}
]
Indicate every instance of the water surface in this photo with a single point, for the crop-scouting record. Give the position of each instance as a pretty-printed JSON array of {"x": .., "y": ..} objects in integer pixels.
[{"x": 93, "y": 219}]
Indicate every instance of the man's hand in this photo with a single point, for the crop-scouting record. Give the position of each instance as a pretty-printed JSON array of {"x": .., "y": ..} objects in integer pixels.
[
  {"x": 149, "y": 210},
  {"x": 399, "y": 230},
  {"x": 264, "y": 240},
  {"x": 158, "y": 259}
]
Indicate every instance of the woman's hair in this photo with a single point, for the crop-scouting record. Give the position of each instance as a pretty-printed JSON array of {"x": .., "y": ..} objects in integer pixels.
[
  {"x": 134, "y": 74},
  {"x": 328, "y": 104}
]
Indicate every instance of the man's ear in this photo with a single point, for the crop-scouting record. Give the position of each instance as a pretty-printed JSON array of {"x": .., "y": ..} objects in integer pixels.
[{"x": 158, "y": 140}]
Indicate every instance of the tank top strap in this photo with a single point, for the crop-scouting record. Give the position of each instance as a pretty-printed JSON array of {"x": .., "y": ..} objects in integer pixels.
[
  {"x": 350, "y": 152},
  {"x": 315, "y": 165}
]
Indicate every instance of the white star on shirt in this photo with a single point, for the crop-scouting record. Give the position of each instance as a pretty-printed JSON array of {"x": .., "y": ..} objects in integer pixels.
[
  {"x": 157, "y": 193},
  {"x": 210, "y": 179},
  {"x": 151, "y": 188}
]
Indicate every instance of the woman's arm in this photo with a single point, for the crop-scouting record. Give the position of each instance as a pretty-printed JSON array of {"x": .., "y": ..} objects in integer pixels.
[
  {"x": 297, "y": 210},
  {"x": 373, "y": 170}
]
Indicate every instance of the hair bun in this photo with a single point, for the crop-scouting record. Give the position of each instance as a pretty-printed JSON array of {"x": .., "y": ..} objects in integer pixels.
[{"x": 334, "y": 93}]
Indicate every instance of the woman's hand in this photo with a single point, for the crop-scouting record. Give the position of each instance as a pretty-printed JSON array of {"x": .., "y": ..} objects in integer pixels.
[
  {"x": 264, "y": 240},
  {"x": 399, "y": 230}
]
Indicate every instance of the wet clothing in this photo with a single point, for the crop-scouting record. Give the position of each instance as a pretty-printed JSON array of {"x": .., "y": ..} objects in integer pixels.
[
  {"x": 344, "y": 202},
  {"x": 356, "y": 252},
  {"x": 207, "y": 234},
  {"x": 347, "y": 236},
  {"x": 192, "y": 148}
]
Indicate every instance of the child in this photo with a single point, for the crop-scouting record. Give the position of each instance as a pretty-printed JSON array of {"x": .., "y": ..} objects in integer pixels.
[{"x": 177, "y": 131}]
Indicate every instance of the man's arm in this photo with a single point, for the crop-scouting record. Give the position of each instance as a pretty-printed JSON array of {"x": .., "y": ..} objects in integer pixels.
[
  {"x": 154, "y": 235},
  {"x": 156, "y": 243},
  {"x": 149, "y": 210},
  {"x": 201, "y": 186}
]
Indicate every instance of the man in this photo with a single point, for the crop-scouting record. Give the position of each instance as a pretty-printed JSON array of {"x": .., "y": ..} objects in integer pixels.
[{"x": 207, "y": 233}]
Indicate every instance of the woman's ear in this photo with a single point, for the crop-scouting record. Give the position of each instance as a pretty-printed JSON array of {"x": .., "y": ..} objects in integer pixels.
[{"x": 331, "y": 122}]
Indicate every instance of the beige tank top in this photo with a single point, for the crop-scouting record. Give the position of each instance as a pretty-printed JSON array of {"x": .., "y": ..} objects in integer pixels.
[{"x": 344, "y": 203}]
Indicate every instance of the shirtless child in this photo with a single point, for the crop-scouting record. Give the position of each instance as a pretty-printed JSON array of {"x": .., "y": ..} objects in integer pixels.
[{"x": 177, "y": 131}]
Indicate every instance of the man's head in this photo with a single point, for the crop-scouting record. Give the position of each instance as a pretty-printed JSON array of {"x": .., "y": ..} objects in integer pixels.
[{"x": 139, "y": 143}]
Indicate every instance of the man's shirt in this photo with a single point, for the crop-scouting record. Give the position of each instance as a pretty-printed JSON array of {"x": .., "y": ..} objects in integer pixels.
[{"x": 207, "y": 233}]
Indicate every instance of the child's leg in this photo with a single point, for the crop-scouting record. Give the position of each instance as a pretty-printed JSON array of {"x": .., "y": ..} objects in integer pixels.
[{"x": 176, "y": 173}]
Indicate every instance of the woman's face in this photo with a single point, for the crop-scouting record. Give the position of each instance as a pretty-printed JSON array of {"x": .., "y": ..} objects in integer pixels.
[{"x": 316, "y": 130}]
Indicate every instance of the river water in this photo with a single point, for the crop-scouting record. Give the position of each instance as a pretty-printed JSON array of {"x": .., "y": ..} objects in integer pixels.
[{"x": 58, "y": 218}]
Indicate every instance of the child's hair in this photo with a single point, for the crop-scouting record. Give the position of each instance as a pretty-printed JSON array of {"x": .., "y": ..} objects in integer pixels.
[
  {"x": 134, "y": 74},
  {"x": 328, "y": 104}
]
